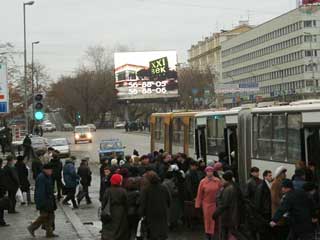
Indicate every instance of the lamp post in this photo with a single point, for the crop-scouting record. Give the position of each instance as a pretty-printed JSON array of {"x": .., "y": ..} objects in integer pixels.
[
  {"x": 25, "y": 63},
  {"x": 32, "y": 78}
]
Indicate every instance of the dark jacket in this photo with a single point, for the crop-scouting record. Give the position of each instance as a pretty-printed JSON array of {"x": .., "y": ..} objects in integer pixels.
[
  {"x": 57, "y": 168},
  {"x": 300, "y": 209},
  {"x": 117, "y": 229},
  {"x": 36, "y": 168},
  {"x": 192, "y": 182},
  {"x": 11, "y": 178},
  {"x": 70, "y": 176},
  {"x": 23, "y": 173},
  {"x": 105, "y": 184},
  {"x": 263, "y": 201},
  {"x": 251, "y": 188},
  {"x": 84, "y": 173},
  {"x": 2, "y": 183},
  {"x": 229, "y": 205},
  {"x": 44, "y": 196},
  {"x": 298, "y": 183},
  {"x": 155, "y": 200}
]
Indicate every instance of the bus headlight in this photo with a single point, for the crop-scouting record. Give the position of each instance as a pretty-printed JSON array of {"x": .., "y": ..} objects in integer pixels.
[
  {"x": 77, "y": 136},
  {"x": 89, "y": 135}
]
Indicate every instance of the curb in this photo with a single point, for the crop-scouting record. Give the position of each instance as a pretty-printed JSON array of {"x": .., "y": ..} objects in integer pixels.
[{"x": 82, "y": 232}]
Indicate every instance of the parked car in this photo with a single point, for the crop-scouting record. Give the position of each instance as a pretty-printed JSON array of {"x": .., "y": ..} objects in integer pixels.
[
  {"x": 67, "y": 127},
  {"x": 119, "y": 125},
  {"x": 62, "y": 145},
  {"x": 48, "y": 127},
  {"x": 39, "y": 144},
  {"x": 82, "y": 133},
  {"x": 92, "y": 127},
  {"x": 111, "y": 148}
]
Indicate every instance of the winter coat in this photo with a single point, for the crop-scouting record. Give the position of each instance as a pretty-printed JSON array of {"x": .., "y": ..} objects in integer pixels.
[
  {"x": 298, "y": 183},
  {"x": 23, "y": 173},
  {"x": 251, "y": 188},
  {"x": 2, "y": 183},
  {"x": 133, "y": 202},
  {"x": 57, "y": 168},
  {"x": 276, "y": 194},
  {"x": 300, "y": 210},
  {"x": 117, "y": 229},
  {"x": 84, "y": 173},
  {"x": 191, "y": 185},
  {"x": 155, "y": 200},
  {"x": 70, "y": 176},
  {"x": 206, "y": 198},
  {"x": 11, "y": 178},
  {"x": 36, "y": 168},
  {"x": 175, "y": 211},
  {"x": 229, "y": 205},
  {"x": 104, "y": 185},
  {"x": 44, "y": 196},
  {"x": 263, "y": 201}
]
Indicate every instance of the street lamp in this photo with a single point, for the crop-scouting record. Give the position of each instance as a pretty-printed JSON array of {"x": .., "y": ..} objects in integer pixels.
[
  {"x": 32, "y": 76},
  {"x": 25, "y": 63}
]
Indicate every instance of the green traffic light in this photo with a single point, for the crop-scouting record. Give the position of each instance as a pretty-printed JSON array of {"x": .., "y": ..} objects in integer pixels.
[{"x": 39, "y": 115}]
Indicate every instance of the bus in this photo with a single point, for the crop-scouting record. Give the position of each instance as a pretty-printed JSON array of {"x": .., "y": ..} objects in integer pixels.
[{"x": 173, "y": 132}]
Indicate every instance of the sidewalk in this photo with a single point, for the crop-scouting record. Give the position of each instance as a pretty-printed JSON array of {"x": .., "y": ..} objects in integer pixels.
[{"x": 18, "y": 223}]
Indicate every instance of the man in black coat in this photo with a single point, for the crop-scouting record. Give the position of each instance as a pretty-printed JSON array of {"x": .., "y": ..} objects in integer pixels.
[
  {"x": 23, "y": 173},
  {"x": 263, "y": 205},
  {"x": 27, "y": 147},
  {"x": 45, "y": 203},
  {"x": 300, "y": 209},
  {"x": 11, "y": 181},
  {"x": 192, "y": 181},
  {"x": 252, "y": 184},
  {"x": 57, "y": 173},
  {"x": 2, "y": 194},
  {"x": 84, "y": 173}
]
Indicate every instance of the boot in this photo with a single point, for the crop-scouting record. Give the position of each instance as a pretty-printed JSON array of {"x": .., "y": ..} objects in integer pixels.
[{"x": 31, "y": 230}]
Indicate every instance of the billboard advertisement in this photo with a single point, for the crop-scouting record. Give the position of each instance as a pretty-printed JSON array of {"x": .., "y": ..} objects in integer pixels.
[
  {"x": 4, "y": 91},
  {"x": 146, "y": 75}
]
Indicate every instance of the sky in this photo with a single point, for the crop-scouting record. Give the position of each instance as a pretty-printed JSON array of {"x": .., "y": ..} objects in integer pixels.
[{"x": 66, "y": 28}]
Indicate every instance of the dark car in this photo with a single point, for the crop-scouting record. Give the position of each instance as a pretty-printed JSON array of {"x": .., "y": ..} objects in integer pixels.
[{"x": 111, "y": 148}]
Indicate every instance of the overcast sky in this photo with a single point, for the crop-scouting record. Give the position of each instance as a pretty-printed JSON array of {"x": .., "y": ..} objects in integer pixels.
[{"x": 66, "y": 28}]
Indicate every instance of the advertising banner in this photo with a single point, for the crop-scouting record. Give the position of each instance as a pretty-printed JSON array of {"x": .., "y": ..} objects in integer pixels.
[
  {"x": 4, "y": 91},
  {"x": 146, "y": 75}
]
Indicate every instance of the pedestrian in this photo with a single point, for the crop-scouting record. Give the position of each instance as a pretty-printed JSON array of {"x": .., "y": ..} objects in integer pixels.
[
  {"x": 71, "y": 180},
  {"x": 27, "y": 147},
  {"x": 263, "y": 205},
  {"x": 105, "y": 181},
  {"x": 11, "y": 180},
  {"x": 299, "y": 179},
  {"x": 2, "y": 194},
  {"x": 45, "y": 203},
  {"x": 36, "y": 167},
  {"x": 155, "y": 200},
  {"x": 206, "y": 198},
  {"x": 229, "y": 208},
  {"x": 57, "y": 173},
  {"x": 84, "y": 173},
  {"x": 23, "y": 173},
  {"x": 192, "y": 181},
  {"x": 300, "y": 210},
  {"x": 281, "y": 230},
  {"x": 116, "y": 197},
  {"x": 252, "y": 184}
]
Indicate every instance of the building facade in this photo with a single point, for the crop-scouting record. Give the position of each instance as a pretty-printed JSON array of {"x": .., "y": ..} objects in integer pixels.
[
  {"x": 281, "y": 55},
  {"x": 206, "y": 54}
]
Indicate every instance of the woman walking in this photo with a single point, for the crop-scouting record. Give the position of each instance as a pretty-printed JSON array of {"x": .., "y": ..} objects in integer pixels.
[
  {"x": 117, "y": 227},
  {"x": 206, "y": 198}
]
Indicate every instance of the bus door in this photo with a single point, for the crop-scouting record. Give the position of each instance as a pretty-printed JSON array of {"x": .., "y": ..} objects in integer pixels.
[
  {"x": 200, "y": 143},
  {"x": 231, "y": 143},
  {"x": 312, "y": 147}
]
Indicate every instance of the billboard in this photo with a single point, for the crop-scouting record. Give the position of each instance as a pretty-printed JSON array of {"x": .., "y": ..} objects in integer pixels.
[
  {"x": 4, "y": 91},
  {"x": 146, "y": 75}
]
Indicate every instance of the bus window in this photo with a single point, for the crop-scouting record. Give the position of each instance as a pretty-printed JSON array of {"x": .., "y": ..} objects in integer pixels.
[
  {"x": 279, "y": 151},
  {"x": 294, "y": 137},
  {"x": 215, "y": 131},
  {"x": 264, "y": 137},
  {"x": 178, "y": 131},
  {"x": 159, "y": 131}
]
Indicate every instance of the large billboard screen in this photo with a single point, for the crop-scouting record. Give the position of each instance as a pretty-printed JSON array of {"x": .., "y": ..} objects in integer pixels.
[{"x": 146, "y": 75}]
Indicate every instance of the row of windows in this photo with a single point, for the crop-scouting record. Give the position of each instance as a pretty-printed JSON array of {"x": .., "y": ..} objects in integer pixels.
[
  {"x": 270, "y": 36},
  {"x": 264, "y": 51},
  {"x": 266, "y": 64},
  {"x": 283, "y": 88}
]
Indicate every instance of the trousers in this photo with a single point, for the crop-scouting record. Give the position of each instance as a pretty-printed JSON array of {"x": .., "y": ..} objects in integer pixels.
[{"x": 46, "y": 220}]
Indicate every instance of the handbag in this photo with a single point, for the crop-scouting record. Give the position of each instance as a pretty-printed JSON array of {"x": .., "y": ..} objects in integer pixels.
[{"x": 106, "y": 211}]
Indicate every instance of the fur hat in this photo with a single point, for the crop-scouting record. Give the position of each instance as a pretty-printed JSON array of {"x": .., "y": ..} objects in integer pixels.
[{"x": 279, "y": 170}]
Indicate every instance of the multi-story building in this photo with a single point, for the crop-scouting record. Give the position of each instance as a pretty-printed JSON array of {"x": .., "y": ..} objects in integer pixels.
[
  {"x": 281, "y": 55},
  {"x": 206, "y": 54}
]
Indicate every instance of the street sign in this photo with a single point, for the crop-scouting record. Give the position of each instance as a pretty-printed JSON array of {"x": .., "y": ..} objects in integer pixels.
[{"x": 4, "y": 91}]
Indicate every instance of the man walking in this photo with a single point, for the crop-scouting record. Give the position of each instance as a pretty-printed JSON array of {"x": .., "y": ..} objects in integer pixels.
[
  {"x": 56, "y": 175},
  {"x": 11, "y": 182},
  {"x": 27, "y": 147},
  {"x": 45, "y": 203},
  {"x": 71, "y": 180},
  {"x": 84, "y": 173}
]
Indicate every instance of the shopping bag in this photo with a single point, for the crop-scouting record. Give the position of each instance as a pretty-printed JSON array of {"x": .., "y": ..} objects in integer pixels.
[{"x": 19, "y": 196}]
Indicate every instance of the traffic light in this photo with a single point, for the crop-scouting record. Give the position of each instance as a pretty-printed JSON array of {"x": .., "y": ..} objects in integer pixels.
[
  {"x": 78, "y": 118},
  {"x": 38, "y": 107}
]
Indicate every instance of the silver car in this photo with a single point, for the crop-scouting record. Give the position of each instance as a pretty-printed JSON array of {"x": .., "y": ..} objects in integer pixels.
[{"x": 62, "y": 145}]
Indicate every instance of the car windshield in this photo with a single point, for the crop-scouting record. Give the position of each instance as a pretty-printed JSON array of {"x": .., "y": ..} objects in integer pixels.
[
  {"x": 110, "y": 145},
  {"x": 58, "y": 142},
  {"x": 82, "y": 130}
]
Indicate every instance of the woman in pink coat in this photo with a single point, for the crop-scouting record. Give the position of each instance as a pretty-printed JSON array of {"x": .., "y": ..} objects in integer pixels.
[{"x": 206, "y": 198}]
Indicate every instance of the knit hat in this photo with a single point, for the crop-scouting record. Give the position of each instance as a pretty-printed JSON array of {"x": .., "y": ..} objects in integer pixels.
[
  {"x": 279, "y": 170},
  {"x": 209, "y": 169},
  {"x": 122, "y": 162},
  {"x": 116, "y": 179},
  {"x": 287, "y": 183},
  {"x": 217, "y": 166},
  {"x": 114, "y": 162},
  {"x": 228, "y": 175}
]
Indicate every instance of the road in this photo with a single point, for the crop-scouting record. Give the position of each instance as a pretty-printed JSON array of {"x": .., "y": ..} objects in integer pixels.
[{"x": 83, "y": 223}]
